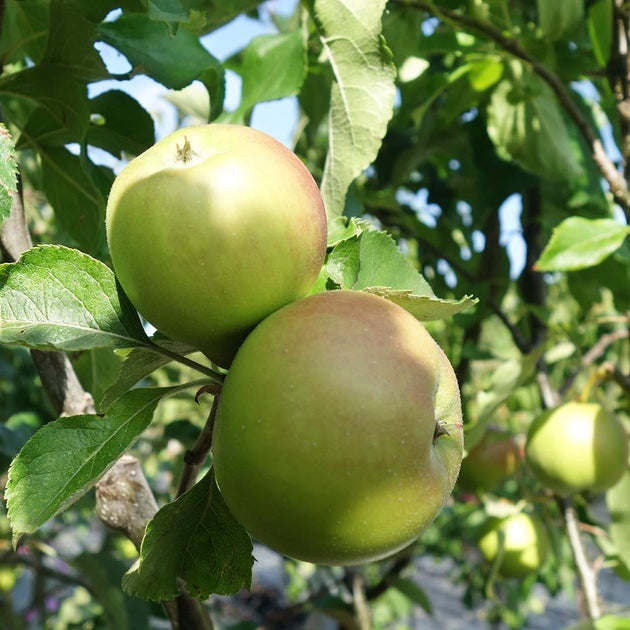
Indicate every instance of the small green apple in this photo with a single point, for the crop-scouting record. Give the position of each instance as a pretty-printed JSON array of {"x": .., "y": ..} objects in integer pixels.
[
  {"x": 577, "y": 447},
  {"x": 211, "y": 230},
  {"x": 522, "y": 541},
  {"x": 338, "y": 436},
  {"x": 492, "y": 460}
]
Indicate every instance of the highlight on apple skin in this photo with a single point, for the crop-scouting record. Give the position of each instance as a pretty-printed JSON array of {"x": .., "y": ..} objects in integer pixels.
[
  {"x": 338, "y": 437},
  {"x": 212, "y": 229}
]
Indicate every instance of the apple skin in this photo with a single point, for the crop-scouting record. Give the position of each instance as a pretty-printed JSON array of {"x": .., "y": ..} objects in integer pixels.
[
  {"x": 211, "y": 230},
  {"x": 324, "y": 444},
  {"x": 492, "y": 460},
  {"x": 521, "y": 538},
  {"x": 577, "y": 447}
]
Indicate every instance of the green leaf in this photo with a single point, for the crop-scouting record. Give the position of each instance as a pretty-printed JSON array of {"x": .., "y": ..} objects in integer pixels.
[
  {"x": 71, "y": 43},
  {"x": 97, "y": 369},
  {"x": 372, "y": 259},
  {"x": 194, "y": 539},
  {"x": 24, "y": 30},
  {"x": 484, "y": 73},
  {"x": 369, "y": 260},
  {"x": 513, "y": 374},
  {"x": 192, "y": 103},
  {"x": 123, "y": 125},
  {"x": 619, "y": 509},
  {"x": 8, "y": 173},
  {"x": 175, "y": 61},
  {"x": 57, "y": 298},
  {"x": 280, "y": 59},
  {"x": 411, "y": 590},
  {"x": 342, "y": 228},
  {"x": 362, "y": 98},
  {"x": 65, "y": 458},
  {"x": 424, "y": 307},
  {"x": 600, "y": 25},
  {"x": 578, "y": 243},
  {"x": 557, "y": 19},
  {"x": 138, "y": 364},
  {"x": 78, "y": 203},
  {"x": 525, "y": 124},
  {"x": 62, "y": 114}
]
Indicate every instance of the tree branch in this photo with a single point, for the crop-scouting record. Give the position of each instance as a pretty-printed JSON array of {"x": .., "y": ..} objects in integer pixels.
[
  {"x": 124, "y": 502},
  {"x": 125, "y": 497},
  {"x": 593, "y": 354},
  {"x": 586, "y": 574},
  {"x": 616, "y": 181},
  {"x": 55, "y": 370},
  {"x": 197, "y": 455}
]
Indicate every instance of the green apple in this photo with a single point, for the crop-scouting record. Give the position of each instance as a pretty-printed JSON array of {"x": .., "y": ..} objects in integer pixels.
[
  {"x": 492, "y": 460},
  {"x": 577, "y": 447},
  {"x": 339, "y": 435},
  {"x": 519, "y": 543},
  {"x": 211, "y": 230}
]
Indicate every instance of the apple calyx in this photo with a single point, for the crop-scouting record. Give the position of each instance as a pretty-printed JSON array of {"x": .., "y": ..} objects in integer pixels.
[
  {"x": 440, "y": 429},
  {"x": 185, "y": 152}
]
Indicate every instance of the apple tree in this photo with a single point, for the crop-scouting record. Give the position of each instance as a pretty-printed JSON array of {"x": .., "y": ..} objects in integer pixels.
[{"x": 456, "y": 168}]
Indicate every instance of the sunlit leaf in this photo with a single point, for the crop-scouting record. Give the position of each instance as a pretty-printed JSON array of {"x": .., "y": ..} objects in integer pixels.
[
  {"x": 57, "y": 298},
  {"x": 424, "y": 307},
  {"x": 8, "y": 173},
  {"x": 578, "y": 243},
  {"x": 362, "y": 97},
  {"x": 272, "y": 67}
]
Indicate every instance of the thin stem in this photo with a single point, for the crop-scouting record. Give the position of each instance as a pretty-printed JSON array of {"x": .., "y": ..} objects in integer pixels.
[
  {"x": 216, "y": 377},
  {"x": 359, "y": 599},
  {"x": 615, "y": 179},
  {"x": 586, "y": 574},
  {"x": 197, "y": 455}
]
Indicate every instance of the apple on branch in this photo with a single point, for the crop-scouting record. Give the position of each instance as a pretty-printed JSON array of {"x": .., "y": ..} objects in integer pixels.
[
  {"x": 519, "y": 543},
  {"x": 577, "y": 447},
  {"x": 339, "y": 434},
  {"x": 212, "y": 229}
]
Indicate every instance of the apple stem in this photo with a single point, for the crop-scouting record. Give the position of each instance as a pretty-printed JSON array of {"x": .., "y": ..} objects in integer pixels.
[
  {"x": 197, "y": 455},
  {"x": 586, "y": 574},
  {"x": 215, "y": 376}
]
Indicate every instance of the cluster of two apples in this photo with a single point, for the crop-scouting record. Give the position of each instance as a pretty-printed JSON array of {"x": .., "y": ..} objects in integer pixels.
[{"x": 327, "y": 444}]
